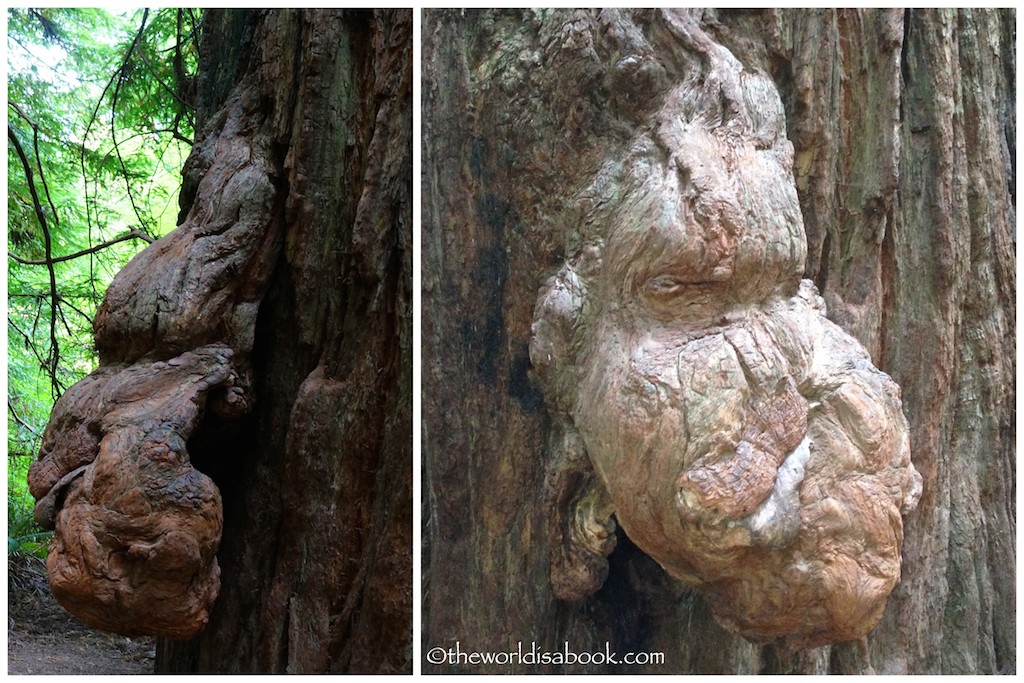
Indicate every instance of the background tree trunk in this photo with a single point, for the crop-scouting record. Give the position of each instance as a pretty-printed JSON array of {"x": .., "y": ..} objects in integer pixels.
[
  {"x": 904, "y": 129},
  {"x": 316, "y": 553}
]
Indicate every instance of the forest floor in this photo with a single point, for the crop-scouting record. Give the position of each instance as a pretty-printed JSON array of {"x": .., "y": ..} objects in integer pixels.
[{"x": 44, "y": 639}]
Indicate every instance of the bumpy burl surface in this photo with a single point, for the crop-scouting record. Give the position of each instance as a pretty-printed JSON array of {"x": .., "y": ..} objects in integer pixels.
[
  {"x": 745, "y": 442},
  {"x": 765, "y": 462},
  {"x": 137, "y": 527}
]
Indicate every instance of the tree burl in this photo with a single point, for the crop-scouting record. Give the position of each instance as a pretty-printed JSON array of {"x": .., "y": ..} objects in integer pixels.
[
  {"x": 740, "y": 438},
  {"x": 137, "y": 527}
]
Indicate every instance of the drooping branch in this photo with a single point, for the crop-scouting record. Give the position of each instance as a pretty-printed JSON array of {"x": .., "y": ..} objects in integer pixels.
[
  {"x": 117, "y": 76},
  {"x": 130, "y": 235},
  {"x": 50, "y": 31},
  {"x": 120, "y": 76},
  {"x": 176, "y": 134},
  {"x": 54, "y": 355},
  {"x": 170, "y": 91},
  {"x": 21, "y": 421},
  {"x": 42, "y": 175},
  {"x": 77, "y": 310}
]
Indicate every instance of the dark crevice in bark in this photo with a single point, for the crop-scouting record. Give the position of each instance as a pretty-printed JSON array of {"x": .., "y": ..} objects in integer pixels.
[
  {"x": 617, "y": 605},
  {"x": 905, "y": 76},
  {"x": 1008, "y": 40},
  {"x": 889, "y": 278},
  {"x": 223, "y": 58},
  {"x": 824, "y": 264},
  {"x": 292, "y": 99}
]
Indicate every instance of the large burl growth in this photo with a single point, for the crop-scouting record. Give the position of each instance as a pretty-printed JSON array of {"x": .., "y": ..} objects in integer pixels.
[
  {"x": 702, "y": 399},
  {"x": 137, "y": 527}
]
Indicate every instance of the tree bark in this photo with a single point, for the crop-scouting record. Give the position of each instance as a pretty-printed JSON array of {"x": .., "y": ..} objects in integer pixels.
[
  {"x": 903, "y": 128},
  {"x": 288, "y": 285},
  {"x": 316, "y": 556}
]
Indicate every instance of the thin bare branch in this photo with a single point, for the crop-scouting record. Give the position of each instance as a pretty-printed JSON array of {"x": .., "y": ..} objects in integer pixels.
[
  {"x": 22, "y": 422},
  {"x": 133, "y": 234},
  {"x": 54, "y": 355},
  {"x": 169, "y": 89},
  {"x": 117, "y": 76},
  {"x": 23, "y": 333},
  {"x": 113, "y": 115},
  {"x": 18, "y": 110},
  {"x": 42, "y": 175},
  {"x": 77, "y": 310}
]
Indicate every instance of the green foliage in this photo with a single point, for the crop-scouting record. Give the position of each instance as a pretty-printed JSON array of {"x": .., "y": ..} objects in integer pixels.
[
  {"x": 23, "y": 535},
  {"x": 100, "y": 121}
]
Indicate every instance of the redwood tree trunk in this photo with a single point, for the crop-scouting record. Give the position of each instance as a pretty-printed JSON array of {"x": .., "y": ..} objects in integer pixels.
[
  {"x": 903, "y": 127},
  {"x": 316, "y": 552}
]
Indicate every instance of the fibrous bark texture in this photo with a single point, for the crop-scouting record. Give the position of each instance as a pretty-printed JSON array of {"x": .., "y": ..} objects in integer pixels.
[
  {"x": 709, "y": 405},
  {"x": 251, "y": 415}
]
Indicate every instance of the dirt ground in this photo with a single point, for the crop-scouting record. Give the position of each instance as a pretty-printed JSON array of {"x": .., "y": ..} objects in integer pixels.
[{"x": 44, "y": 639}]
